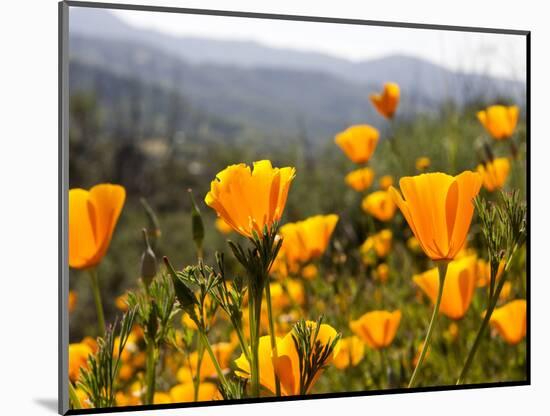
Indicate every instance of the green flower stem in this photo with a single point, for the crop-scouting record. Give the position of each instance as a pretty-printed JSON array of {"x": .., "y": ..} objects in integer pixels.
[
  {"x": 481, "y": 331},
  {"x": 197, "y": 379},
  {"x": 150, "y": 371},
  {"x": 97, "y": 299},
  {"x": 442, "y": 266},
  {"x": 254, "y": 345},
  {"x": 272, "y": 336},
  {"x": 242, "y": 343},
  {"x": 208, "y": 348}
]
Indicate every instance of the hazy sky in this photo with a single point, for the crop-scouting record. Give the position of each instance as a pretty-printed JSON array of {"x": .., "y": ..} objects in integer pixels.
[{"x": 500, "y": 55}]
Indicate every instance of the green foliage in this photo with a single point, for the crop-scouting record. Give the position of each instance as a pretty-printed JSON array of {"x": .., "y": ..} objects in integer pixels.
[{"x": 98, "y": 380}]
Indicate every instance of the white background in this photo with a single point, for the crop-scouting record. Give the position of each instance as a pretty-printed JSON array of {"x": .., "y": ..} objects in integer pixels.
[{"x": 28, "y": 206}]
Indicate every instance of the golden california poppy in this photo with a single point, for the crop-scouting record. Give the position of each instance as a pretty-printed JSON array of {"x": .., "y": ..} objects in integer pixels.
[
  {"x": 458, "y": 290},
  {"x": 386, "y": 102},
  {"x": 377, "y": 328},
  {"x": 380, "y": 242},
  {"x": 438, "y": 209},
  {"x": 249, "y": 199},
  {"x": 360, "y": 179},
  {"x": 352, "y": 351},
  {"x": 385, "y": 182},
  {"x": 358, "y": 142},
  {"x": 380, "y": 205},
  {"x": 510, "y": 321},
  {"x": 283, "y": 296},
  {"x": 185, "y": 392},
  {"x": 78, "y": 358},
  {"x": 382, "y": 272},
  {"x": 93, "y": 216},
  {"x": 422, "y": 163},
  {"x": 222, "y": 352},
  {"x": 494, "y": 173},
  {"x": 161, "y": 397},
  {"x": 499, "y": 121},
  {"x": 308, "y": 239},
  {"x": 286, "y": 363}
]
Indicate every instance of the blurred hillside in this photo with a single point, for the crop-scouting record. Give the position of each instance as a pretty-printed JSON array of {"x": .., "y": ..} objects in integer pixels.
[{"x": 248, "y": 85}]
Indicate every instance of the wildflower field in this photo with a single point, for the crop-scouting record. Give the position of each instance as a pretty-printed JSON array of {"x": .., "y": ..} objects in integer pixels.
[{"x": 386, "y": 258}]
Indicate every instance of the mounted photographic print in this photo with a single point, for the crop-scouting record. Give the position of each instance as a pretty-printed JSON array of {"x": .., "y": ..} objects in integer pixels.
[{"x": 258, "y": 208}]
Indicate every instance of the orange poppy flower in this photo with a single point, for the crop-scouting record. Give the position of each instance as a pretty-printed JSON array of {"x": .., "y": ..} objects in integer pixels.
[
  {"x": 499, "y": 121},
  {"x": 385, "y": 182},
  {"x": 510, "y": 321},
  {"x": 439, "y": 210},
  {"x": 308, "y": 239},
  {"x": 494, "y": 173},
  {"x": 377, "y": 328},
  {"x": 93, "y": 216},
  {"x": 358, "y": 142},
  {"x": 386, "y": 102},
  {"x": 248, "y": 199},
  {"x": 360, "y": 179},
  {"x": 380, "y": 205},
  {"x": 352, "y": 351},
  {"x": 458, "y": 289}
]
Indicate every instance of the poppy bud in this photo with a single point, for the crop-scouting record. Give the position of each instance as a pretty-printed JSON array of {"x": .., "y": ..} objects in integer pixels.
[
  {"x": 185, "y": 296},
  {"x": 197, "y": 224},
  {"x": 148, "y": 262}
]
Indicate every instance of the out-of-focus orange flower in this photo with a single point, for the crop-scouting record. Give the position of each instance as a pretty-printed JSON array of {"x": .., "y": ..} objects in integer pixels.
[
  {"x": 248, "y": 199},
  {"x": 222, "y": 226},
  {"x": 280, "y": 298},
  {"x": 439, "y": 209},
  {"x": 377, "y": 328},
  {"x": 185, "y": 392},
  {"x": 422, "y": 163},
  {"x": 494, "y": 173},
  {"x": 380, "y": 205},
  {"x": 505, "y": 291},
  {"x": 161, "y": 397},
  {"x": 385, "y": 182},
  {"x": 386, "y": 102},
  {"x": 78, "y": 358},
  {"x": 360, "y": 179},
  {"x": 352, "y": 351},
  {"x": 310, "y": 272},
  {"x": 510, "y": 321},
  {"x": 286, "y": 363},
  {"x": 308, "y": 239},
  {"x": 83, "y": 398},
  {"x": 484, "y": 272},
  {"x": 380, "y": 242},
  {"x": 382, "y": 272},
  {"x": 458, "y": 288},
  {"x": 222, "y": 352},
  {"x": 73, "y": 297},
  {"x": 121, "y": 302},
  {"x": 499, "y": 121},
  {"x": 93, "y": 216},
  {"x": 127, "y": 399},
  {"x": 358, "y": 142}
]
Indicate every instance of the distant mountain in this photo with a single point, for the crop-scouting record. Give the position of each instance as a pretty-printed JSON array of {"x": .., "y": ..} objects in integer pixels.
[
  {"x": 416, "y": 76},
  {"x": 241, "y": 84}
]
